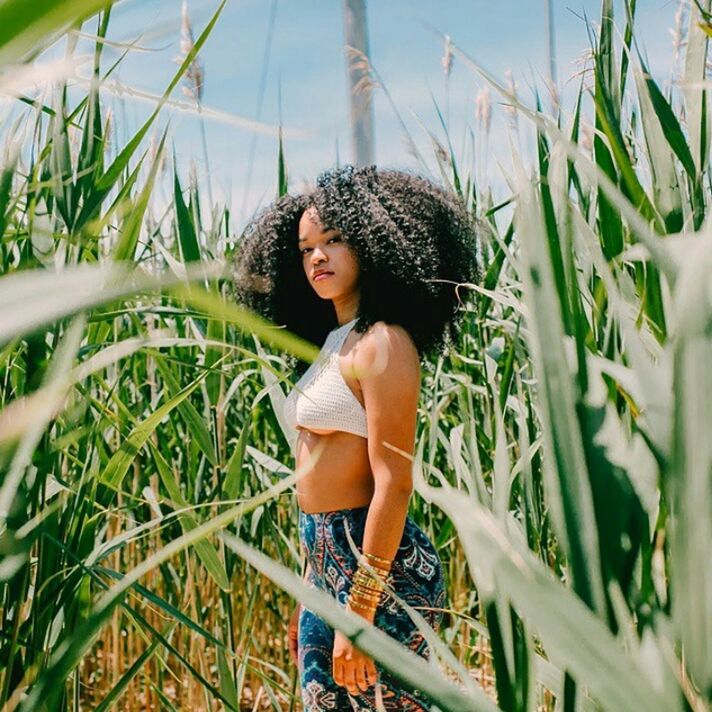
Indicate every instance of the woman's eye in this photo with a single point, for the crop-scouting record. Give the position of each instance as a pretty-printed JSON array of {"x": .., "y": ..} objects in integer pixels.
[{"x": 304, "y": 250}]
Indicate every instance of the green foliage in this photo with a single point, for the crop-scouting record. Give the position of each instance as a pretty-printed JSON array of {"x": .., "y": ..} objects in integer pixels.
[{"x": 562, "y": 458}]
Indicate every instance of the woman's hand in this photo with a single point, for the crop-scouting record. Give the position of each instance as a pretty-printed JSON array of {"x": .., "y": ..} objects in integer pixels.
[
  {"x": 353, "y": 669},
  {"x": 293, "y": 634}
]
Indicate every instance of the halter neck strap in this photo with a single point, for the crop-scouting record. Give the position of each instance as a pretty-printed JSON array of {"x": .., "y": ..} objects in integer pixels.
[{"x": 341, "y": 332}]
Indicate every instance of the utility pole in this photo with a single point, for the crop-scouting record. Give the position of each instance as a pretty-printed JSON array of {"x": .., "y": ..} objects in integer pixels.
[{"x": 359, "y": 83}]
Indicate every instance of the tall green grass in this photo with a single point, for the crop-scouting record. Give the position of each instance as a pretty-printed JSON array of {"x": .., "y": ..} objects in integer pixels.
[{"x": 148, "y": 526}]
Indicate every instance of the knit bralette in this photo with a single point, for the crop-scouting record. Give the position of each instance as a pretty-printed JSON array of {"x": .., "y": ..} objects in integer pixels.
[{"x": 321, "y": 398}]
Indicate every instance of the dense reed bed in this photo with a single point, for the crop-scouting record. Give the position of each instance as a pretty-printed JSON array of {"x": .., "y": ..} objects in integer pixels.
[{"x": 148, "y": 547}]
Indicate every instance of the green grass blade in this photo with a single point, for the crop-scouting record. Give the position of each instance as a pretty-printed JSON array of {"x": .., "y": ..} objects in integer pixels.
[
  {"x": 666, "y": 189},
  {"x": 187, "y": 238},
  {"x": 206, "y": 551},
  {"x": 282, "y": 177},
  {"x": 26, "y": 27},
  {"x": 121, "y": 460},
  {"x": 669, "y": 124},
  {"x": 234, "y": 470},
  {"x": 696, "y": 98},
  {"x": 574, "y": 638},
  {"x": 569, "y": 489},
  {"x": 630, "y": 7},
  {"x": 107, "y": 181},
  {"x": 633, "y": 188},
  {"x": 691, "y": 465},
  {"x": 126, "y": 246},
  {"x": 120, "y": 686},
  {"x": 195, "y": 423},
  {"x": 57, "y": 384}
]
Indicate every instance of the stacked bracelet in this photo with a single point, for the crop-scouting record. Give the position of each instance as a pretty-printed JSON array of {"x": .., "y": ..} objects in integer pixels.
[
  {"x": 368, "y": 582},
  {"x": 377, "y": 562}
]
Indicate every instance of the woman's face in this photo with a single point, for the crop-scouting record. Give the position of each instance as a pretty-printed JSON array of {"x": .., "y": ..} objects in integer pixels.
[{"x": 329, "y": 263}]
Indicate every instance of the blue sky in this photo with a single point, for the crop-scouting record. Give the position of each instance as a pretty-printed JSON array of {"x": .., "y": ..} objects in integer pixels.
[{"x": 306, "y": 64}]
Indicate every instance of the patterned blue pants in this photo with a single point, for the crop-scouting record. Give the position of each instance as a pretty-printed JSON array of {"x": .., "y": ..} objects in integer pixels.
[{"x": 417, "y": 577}]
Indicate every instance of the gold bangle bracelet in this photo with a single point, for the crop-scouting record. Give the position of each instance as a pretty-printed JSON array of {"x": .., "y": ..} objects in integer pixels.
[
  {"x": 379, "y": 574},
  {"x": 372, "y": 569},
  {"x": 355, "y": 604},
  {"x": 365, "y": 596},
  {"x": 372, "y": 573},
  {"x": 378, "y": 559},
  {"x": 363, "y": 573},
  {"x": 367, "y": 591},
  {"x": 364, "y": 576},
  {"x": 365, "y": 585},
  {"x": 356, "y": 586}
]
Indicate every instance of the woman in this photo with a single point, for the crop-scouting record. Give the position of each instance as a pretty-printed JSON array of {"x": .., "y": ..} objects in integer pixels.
[{"x": 366, "y": 264}]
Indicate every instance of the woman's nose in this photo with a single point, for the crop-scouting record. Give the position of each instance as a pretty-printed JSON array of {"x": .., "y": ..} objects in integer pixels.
[{"x": 318, "y": 254}]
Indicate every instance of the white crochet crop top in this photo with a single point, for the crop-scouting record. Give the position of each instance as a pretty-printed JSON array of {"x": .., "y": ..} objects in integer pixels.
[{"x": 321, "y": 398}]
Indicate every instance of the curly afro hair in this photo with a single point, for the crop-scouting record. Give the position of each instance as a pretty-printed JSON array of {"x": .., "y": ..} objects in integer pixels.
[{"x": 414, "y": 240}]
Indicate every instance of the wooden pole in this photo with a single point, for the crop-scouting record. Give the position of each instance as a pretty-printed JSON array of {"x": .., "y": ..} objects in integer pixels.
[{"x": 360, "y": 90}]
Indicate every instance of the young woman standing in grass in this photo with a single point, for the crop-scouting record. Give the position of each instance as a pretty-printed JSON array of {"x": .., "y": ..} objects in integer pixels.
[{"x": 366, "y": 264}]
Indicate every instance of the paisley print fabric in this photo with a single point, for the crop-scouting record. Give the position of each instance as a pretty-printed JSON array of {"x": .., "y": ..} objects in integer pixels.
[{"x": 417, "y": 577}]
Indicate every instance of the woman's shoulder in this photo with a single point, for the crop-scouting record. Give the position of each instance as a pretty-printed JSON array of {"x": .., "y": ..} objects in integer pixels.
[
  {"x": 396, "y": 335},
  {"x": 385, "y": 346}
]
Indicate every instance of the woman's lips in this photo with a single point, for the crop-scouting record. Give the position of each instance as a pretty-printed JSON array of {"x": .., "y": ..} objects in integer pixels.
[{"x": 323, "y": 275}]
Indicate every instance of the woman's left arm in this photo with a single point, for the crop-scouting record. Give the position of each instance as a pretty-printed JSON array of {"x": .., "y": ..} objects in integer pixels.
[
  {"x": 391, "y": 386},
  {"x": 388, "y": 369}
]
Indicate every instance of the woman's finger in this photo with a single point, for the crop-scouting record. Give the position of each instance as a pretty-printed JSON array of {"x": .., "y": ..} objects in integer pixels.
[
  {"x": 361, "y": 676},
  {"x": 338, "y": 672},
  {"x": 371, "y": 673},
  {"x": 349, "y": 673}
]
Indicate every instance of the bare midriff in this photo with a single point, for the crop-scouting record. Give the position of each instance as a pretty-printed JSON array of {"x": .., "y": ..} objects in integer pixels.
[{"x": 339, "y": 478}]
